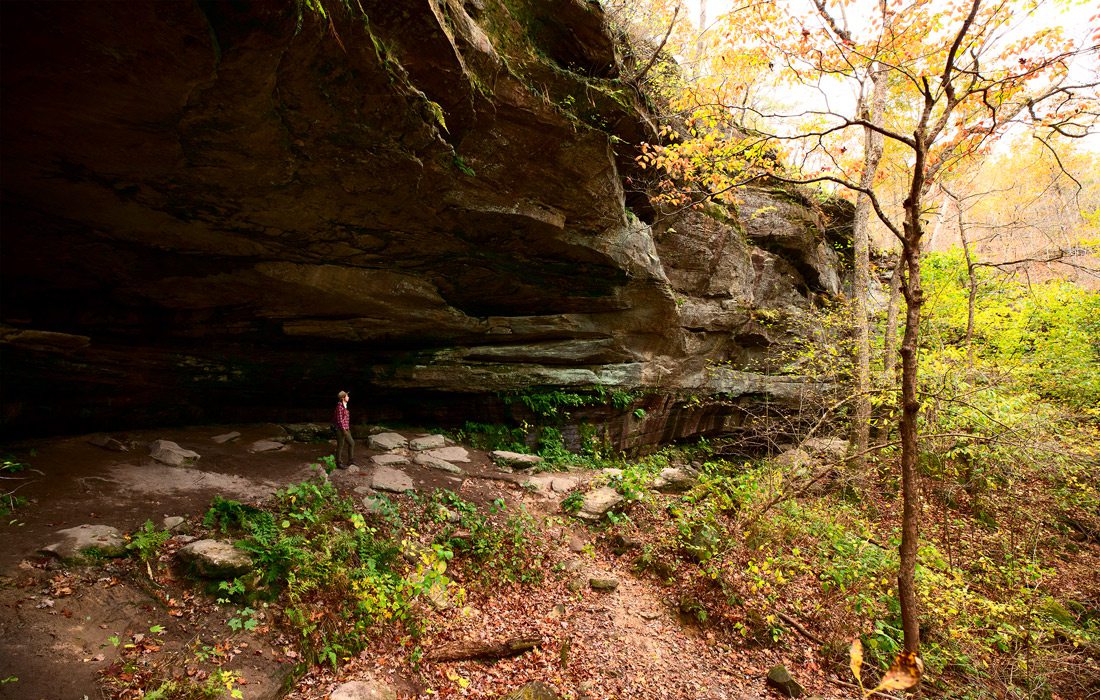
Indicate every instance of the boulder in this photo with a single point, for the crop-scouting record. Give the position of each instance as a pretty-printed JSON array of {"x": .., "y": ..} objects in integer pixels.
[
  {"x": 674, "y": 480},
  {"x": 168, "y": 452},
  {"x": 780, "y": 679},
  {"x": 363, "y": 690},
  {"x": 79, "y": 542},
  {"x": 392, "y": 480},
  {"x": 215, "y": 559},
  {"x": 603, "y": 584},
  {"x": 793, "y": 458},
  {"x": 174, "y": 523},
  {"x": 427, "y": 442},
  {"x": 598, "y": 502},
  {"x": 388, "y": 441},
  {"x": 832, "y": 449},
  {"x": 225, "y": 437}
]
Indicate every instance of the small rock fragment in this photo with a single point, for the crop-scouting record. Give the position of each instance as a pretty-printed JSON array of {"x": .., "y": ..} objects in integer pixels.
[
  {"x": 780, "y": 679},
  {"x": 216, "y": 559},
  {"x": 108, "y": 443},
  {"x": 168, "y": 452},
  {"x": 597, "y": 503}
]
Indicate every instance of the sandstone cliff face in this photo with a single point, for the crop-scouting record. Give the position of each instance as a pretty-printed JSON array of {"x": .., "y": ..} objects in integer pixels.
[{"x": 225, "y": 211}]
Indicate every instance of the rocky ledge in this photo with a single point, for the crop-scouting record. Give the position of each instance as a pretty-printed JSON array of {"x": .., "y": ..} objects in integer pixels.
[{"x": 217, "y": 211}]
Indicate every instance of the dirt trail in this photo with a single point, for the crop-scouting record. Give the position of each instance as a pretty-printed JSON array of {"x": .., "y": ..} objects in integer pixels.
[{"x": 57, "y": 622}]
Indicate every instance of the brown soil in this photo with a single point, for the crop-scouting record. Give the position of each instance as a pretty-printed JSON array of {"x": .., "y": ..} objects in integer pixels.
[{"x": 58, "y": 621}]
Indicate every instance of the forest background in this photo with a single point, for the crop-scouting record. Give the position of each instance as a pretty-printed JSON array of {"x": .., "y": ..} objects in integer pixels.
[{"x": 964, "y": 134}]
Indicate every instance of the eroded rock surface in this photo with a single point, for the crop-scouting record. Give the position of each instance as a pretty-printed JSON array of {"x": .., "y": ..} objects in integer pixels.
[{"x": 242, "y": 203}]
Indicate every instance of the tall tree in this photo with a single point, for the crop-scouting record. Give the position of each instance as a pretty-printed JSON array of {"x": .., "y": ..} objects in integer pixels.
[{"x": 959, "y": 75}]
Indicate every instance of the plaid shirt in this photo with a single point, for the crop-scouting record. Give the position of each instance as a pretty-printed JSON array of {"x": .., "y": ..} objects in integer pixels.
[{"x": 342, "y": 419}]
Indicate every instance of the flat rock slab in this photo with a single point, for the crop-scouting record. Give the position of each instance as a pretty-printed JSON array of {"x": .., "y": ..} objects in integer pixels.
[
  {"x": 428, "y": 442},
  {"x": 549, "y": 484},
  {"x": 265, "y": 446},
  {"x": 450, "y": 454},
  {"x": 388, "y": 441},
  {"x": 225, "y": 437},
  {"x": 168, "y": 452},
  {"x": 362, "y": 690},
  {"x": 215, "y": 559},
  {"x": 597, "y": 503},
  {"x": 515, "y": 459},
  {"x": 389, "y": 460},
  {"x": 440, "y": 464},
  {"x": 103, "y": 539},
  {"x": 393, "y": 480},
  {"x": 159, "y": 479}
]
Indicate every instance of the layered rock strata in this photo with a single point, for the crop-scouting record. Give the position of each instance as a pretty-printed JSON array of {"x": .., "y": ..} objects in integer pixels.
[{"x": 228, "y": 211}]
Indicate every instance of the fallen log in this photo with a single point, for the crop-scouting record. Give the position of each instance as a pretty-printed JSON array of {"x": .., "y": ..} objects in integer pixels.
[{"x": 463, "y": 651}]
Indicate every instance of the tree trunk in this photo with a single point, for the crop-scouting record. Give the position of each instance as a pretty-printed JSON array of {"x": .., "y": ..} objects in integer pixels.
[
  {"x": 972, "y": 291},
  {"x": 890, "y": 341},
  {"x": 464, "y": 650},
  {"x": 872, "y": 154},
  {"x": 910, "y": 402},
  {"x": 910, "y": 407}
]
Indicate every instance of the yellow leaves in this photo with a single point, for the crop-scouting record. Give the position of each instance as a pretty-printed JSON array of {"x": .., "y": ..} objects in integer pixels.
[
  {"x": 462, "y": 681},
  {"x": 855, "y": 657},
  {"x": 905, "y": 672}
]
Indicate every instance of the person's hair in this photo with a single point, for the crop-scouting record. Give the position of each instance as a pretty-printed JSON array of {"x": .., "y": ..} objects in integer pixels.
[{"x": 342, "y": 394}]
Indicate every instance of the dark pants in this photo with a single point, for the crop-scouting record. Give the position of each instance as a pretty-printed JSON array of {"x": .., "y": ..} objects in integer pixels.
[{"x": 345, "y": 448}]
